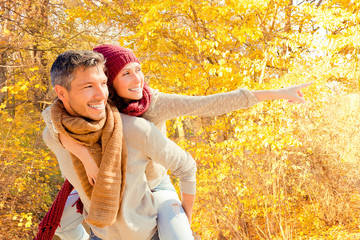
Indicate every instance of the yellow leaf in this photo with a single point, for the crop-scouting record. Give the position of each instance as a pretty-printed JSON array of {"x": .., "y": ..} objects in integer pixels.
[
  {"x": 33, "y": 69},
  {"x": 4, "y": 89},
  {"x": 28, "y": 224}
]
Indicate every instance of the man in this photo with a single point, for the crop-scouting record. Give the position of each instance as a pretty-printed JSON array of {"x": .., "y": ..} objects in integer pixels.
[{"x": 117, "y": 207}]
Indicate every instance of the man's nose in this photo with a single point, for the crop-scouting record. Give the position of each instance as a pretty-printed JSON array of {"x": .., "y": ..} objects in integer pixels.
[{"x": 101, "y": 92}]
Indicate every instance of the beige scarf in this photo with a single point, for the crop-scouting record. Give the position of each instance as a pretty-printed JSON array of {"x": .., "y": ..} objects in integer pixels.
[{"x": 105, "y": 141}]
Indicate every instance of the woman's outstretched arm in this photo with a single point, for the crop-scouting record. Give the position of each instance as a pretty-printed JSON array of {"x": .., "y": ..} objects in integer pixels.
[{"x": 291, "y": 93}]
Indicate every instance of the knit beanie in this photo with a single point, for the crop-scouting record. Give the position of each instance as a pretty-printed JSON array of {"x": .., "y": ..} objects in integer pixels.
[{"x": 116, "y": 58}]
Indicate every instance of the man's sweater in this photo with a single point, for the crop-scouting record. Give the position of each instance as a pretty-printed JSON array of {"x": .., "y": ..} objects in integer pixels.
[
  {"x": 138, "y": 212},
  {"x": 163, "y": 107}
]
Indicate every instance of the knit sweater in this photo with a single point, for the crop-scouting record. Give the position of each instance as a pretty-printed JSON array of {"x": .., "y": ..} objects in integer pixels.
[
  {"x": 138, "y": 212},
  {"x": 169, "y": 106}
]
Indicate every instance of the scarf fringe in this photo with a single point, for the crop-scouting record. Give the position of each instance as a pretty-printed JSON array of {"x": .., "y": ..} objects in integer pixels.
[
  {"x": 51, "y": 221},
  {"x": 79, "y": 206}
]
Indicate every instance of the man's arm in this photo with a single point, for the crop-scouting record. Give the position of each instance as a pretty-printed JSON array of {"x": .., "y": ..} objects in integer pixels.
[
  {"x": 187, "y": 202},
  {"x": 61, "y": 143},
  {"x": 51, "y": 139}
]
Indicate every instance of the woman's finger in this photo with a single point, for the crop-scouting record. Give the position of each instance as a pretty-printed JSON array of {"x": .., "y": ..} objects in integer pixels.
[
  {"x": 304, "y": 85},
  {"x": 300, "y": 93},
  {"x": 91, "y": 181}
]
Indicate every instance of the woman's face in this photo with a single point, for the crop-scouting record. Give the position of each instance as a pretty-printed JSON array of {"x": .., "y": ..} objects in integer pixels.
[{"x": 129, "y": 82}]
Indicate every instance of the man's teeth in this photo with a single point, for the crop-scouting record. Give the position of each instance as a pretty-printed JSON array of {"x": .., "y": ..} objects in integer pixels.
[{"x": 97, "y": 105}]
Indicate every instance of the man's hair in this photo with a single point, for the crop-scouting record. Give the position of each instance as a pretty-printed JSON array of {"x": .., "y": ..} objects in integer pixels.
[{"x": 63, "y": 68}]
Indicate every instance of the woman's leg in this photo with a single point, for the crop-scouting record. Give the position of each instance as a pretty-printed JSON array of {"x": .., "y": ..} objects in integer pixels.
[
  {"x": 70, "y": 224},
  {"x": 172, "y": 220},
  {"x": 93, "y": 236}
]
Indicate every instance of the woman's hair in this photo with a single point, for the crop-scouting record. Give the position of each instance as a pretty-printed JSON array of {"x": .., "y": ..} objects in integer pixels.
[{"x": 115, "y": 99}]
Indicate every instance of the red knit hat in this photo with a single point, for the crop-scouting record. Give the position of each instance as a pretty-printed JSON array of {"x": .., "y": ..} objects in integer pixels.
[{"x": 116, "y": 58}]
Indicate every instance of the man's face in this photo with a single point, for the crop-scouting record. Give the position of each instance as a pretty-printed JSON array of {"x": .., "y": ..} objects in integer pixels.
[{"x": 88, "y": 94}]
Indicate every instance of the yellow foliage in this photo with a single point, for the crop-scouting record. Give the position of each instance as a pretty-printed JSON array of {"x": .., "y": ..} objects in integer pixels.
[
  {"x": 25, "y": 161},
  {"x": 275, "y": 171}
]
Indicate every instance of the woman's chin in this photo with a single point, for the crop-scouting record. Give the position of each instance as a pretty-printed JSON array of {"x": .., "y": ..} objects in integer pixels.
[{"x": 137, "y": 97}]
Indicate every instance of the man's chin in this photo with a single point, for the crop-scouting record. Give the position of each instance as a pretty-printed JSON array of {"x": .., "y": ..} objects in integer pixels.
[{"x": 97, "y": 117}]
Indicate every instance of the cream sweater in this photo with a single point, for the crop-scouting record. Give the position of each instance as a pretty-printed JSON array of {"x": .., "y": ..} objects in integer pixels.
[
  {"x": 133, "y": 216},
  {"x": 169, "y": 106},
  {"x": 138, "y": 212}
]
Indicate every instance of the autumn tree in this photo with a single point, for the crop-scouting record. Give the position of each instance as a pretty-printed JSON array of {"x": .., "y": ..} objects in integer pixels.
[
  {"x": 275, "y": 171},
  {"x": 248, "y": 183},
  {"x": 33, "y": 33}
]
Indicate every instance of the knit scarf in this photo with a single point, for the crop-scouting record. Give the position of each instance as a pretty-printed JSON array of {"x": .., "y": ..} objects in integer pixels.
[
  {"x": 138, "y": 107},
  {"x": 104, "y": 140},
  {"x": 46, "y": 227},
  {"x": 52, "y": 218}
]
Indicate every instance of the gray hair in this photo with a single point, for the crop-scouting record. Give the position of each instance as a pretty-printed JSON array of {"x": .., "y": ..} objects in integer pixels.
[{"x": 63, "y": 68}]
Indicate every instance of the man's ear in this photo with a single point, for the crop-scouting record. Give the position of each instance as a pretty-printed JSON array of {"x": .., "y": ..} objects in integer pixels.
[{"x": 61, "y": 92}]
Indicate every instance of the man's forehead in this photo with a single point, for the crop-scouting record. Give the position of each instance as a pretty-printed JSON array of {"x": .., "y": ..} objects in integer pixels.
[
  {"x": 99, "y": 68},
  {"x": 83, "y": 73}
]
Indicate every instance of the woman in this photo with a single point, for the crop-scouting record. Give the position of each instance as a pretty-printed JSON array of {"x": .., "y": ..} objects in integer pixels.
[{"x": 132, "y": 96}]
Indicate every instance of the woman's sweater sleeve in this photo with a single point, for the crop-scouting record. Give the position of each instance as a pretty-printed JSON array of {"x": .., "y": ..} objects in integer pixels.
[{"x": 168, "y": 106}]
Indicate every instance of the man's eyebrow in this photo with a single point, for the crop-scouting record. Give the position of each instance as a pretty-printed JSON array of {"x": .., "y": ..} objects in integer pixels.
[
  {"x": 85, "y": 83},
  {"x": 92, "y": 82}
]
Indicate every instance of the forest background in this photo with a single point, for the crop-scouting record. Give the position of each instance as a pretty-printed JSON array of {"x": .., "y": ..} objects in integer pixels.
[{"x": 274, "y": 171}]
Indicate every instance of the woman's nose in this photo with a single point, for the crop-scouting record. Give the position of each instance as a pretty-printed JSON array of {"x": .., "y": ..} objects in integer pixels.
[{"x": 137, "y": 78}]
